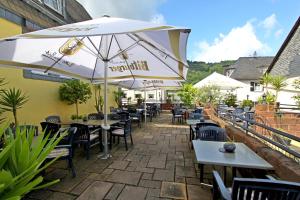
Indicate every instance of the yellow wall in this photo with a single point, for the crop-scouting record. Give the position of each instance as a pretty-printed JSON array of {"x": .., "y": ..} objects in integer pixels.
[
  {"x": 44, "y": 98},
  {"x": 43, "y": 95},
  {"x": 8, "y": 28}
]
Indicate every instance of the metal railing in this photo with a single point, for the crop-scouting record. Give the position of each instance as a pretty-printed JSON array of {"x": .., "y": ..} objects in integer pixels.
[{"x": 275, "y": 139}]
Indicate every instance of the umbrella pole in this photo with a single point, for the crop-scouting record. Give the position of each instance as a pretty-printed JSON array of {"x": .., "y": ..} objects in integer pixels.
[
  {"x": 145, "y": 107},
  {"x": 105, "y": 127}
]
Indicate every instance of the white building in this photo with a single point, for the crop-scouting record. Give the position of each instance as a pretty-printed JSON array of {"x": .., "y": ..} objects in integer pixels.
[{"x": 249, "y": 70}]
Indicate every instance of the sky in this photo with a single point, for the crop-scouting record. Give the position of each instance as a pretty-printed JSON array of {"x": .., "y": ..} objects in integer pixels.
[{"x": 221, "y": 29}]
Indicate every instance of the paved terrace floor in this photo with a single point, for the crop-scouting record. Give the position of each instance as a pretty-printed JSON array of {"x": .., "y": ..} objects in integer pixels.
[{"x": 161, "y": 153}]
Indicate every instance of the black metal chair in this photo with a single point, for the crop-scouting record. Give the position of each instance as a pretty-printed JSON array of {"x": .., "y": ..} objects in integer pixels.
[
  {"x": 53, "y": 119},
  {"x": 211, "y": 133},
  {"x": 252, "y": 189},
  {"x": 135, "y": 116},
  {"x": 177, "y": 114},
  {"x": 95, "y": 116},
  {"x": 200, "y": 125},
  {"x": 65, "y": 149},
  {"x": 87, "y": 137},
  {"x": 121, "y": 131}
]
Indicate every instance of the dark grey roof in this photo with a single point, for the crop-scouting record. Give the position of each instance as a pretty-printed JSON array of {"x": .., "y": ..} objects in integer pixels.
[
  {"x": 250, "y": 68},
  {"x": 294, "y": 67}
]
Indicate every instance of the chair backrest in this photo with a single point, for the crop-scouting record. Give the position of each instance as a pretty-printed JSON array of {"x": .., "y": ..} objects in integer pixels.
[
  {"x": 196, "y": 116},
  {"x": 83, "y": 133},
  {"x": 124, "y": 115},
  {"x": 53, "y": 119},
  {"x": 211, "y": 133},
  {"x": 69, "y": 138},
  {"x": 203, "y": 124},
  {"x": 198, "y": 110},
  {"x": 95, "y": 116},
  {"x": 113, "y": 116},
  {"x": 127, "y": 127},
  {"x": 264, "y": 189},
  {"x": 50, "y": 128}
]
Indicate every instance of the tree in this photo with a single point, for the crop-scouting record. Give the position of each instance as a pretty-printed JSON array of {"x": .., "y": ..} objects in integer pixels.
[
  {"x": 99, "y": 101},
  {"x": 278, "y": 82},
  {"x": 11, "y": 100},
  {"x": 118, "y": 95},
  {"x": 266, "y": 80},
  {"x": 230, "y": 99},
  {"x": 75, "y": 92},
  {"x": 209, "y": 94},
  {"x": 187, "y": 94}
]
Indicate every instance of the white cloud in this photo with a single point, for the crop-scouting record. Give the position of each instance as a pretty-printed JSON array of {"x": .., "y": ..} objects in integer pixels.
[
  {"x": 135, "y": 9},
  {"x": 158, "y": 19},
  {"x": 278, "y": 33},
  {"x": 240, "y": 41},
  {"x": 269, "y": 22}
]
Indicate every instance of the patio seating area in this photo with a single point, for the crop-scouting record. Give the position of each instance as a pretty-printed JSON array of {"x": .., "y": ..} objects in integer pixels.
[{"x": 161, "y": 154}]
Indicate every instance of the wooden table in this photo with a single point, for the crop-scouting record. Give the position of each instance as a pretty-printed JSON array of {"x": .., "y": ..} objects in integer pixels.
[{"x": 207, "y": 152}]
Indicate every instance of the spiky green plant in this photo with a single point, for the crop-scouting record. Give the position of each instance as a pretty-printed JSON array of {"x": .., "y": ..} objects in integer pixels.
[
  {"x": 278, "y": 83},
  {"x": 21, "y": 161},
  {"x": 266, "y": 80},
  {"x": 11, "y": 100},
  {"x": 99, "y": 101}
]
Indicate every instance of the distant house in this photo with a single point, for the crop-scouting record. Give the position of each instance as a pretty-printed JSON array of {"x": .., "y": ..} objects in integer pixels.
[
  {"x": 249, "y": 70},
  {"x": 287, "y": 63}
]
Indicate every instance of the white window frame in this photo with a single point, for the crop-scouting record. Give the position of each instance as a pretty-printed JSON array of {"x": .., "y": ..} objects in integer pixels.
[
  {"x": 255, "y": 87},
  {"x": 59, "y": 3}
]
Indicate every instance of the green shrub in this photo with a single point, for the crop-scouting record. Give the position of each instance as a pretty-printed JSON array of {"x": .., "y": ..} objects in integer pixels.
[
  {"x": 230, "y": 99},
  {"x": 270, "y": 98},
  {"x": 21, "y": 161},
  {"x": 247, "y": 103}
]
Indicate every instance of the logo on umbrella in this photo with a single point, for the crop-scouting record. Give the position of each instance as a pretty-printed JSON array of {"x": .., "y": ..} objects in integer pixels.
[{"x": 72, "y": 46}]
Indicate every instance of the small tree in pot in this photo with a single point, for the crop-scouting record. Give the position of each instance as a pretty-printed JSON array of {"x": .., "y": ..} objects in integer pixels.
[
  {"x": 11, "y": 100},
  {"x": 75, "y": 92}
]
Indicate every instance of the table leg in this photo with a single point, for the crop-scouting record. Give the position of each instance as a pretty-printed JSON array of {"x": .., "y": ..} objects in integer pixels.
[
  {"x": 201, "y": 166},
  {"x": 225, "y": 174},
  {"x": 233, "y": 172},
  {"x": 190, "y": 132}
]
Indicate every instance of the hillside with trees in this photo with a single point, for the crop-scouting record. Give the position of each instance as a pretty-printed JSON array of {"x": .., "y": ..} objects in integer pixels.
[{"x": 199, "y": 70}]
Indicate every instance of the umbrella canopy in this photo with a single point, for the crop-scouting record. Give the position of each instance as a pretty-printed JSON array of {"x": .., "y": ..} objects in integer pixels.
[
  {"x": 131, "y": 48},
  {"x": 148, "y": 84},
  {"x": 224, "y": 82},
  {"x": 101, "y": 49}
]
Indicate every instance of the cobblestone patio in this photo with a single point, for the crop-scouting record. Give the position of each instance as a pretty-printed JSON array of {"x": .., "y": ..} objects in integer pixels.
[{"x": 161, "y": 153}]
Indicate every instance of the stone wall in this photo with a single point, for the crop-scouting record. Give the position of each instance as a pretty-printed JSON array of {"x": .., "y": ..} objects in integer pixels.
[{"x": 288, "y": 122}]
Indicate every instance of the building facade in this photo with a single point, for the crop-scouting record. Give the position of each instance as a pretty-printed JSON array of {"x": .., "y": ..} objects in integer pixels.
[
  {"x": 21, "y": 16},
  {"x": 249, "y": 70}
]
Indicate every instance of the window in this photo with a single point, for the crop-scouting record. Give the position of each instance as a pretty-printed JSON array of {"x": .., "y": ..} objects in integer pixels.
[
  {"x": 150, "y": 96},
  {"x": 137, "y": 96},
  {"x": 229, "y": 72},
  {"x": 255, "y": 87},
  {"x": 56, "y": 5}
]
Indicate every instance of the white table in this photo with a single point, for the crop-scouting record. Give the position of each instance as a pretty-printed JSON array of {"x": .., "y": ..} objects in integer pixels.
[{"x": 207, "y": 152}]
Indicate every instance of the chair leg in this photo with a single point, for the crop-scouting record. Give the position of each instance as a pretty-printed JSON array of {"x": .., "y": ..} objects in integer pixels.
[
  {"x": 71, "y": 166},
  {"x": 118, "y": 140},
  {"x": 125, "y": 140},
  {"x": 131, "y": 139},
  {"x": 110, "y": 141}
]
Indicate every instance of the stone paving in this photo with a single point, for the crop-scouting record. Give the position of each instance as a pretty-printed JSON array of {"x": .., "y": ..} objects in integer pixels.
[{"x": 161, "y": 153}]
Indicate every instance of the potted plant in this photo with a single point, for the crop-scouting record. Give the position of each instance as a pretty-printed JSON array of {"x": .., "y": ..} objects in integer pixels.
[
  {"x": 118, "y": 95},
  {"x": 230, "y": 100},
  {"x": 20, "y": 168},
  {"x": 11, "y": 100},
  {"x": 75, "y": 92},
  {"x": 99, "y": 101}
]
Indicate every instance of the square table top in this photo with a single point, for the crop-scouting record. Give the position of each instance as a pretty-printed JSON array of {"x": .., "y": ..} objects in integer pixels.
[
  {"x": 196, "y": 121},
  {"x": 90, "y": 122},
  {"x": 207, "y": 152}
]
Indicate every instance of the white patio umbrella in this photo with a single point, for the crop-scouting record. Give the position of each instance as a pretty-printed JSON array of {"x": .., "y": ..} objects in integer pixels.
[
  {"x": 148, "y": 85},
  {"x": 101, "y": 49}
]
